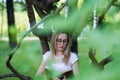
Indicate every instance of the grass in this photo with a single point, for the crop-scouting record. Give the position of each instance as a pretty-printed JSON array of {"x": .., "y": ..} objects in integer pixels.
[
  {"x": 28, "y": 57},
  {"x": 26, "y": 60}
]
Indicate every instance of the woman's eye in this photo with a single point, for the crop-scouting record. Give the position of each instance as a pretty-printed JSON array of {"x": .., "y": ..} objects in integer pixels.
[{"x": 59, "y": 40}]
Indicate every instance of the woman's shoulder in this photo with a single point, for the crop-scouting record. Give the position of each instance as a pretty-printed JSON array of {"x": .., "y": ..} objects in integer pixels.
[
  {"x": 73, "y": 54},
  {"x": 73, "y": 57},
  {"x": 46, "y": 55},
  {"x": 47, "y": 52}
]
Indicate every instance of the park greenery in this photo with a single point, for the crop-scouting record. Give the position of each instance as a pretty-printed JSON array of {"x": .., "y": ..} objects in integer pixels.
[{"x": 105, "y": 40}]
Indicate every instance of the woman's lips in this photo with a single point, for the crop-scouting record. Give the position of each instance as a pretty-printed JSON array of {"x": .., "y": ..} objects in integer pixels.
[{"x": 60, "y": 47}]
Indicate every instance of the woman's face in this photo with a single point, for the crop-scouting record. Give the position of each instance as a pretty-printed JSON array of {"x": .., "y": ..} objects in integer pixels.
[{"x": 61, "y": 42}]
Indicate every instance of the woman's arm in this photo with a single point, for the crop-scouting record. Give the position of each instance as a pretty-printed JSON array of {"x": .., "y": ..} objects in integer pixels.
[
  {"x": 75, "y": 69},
  {"x": 41, "y": 68}
]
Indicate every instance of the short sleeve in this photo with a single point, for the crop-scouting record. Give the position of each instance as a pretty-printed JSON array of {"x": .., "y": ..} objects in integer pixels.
[
  {"x": 46, "y": 55},
  {"x": 73, "y": 58}
]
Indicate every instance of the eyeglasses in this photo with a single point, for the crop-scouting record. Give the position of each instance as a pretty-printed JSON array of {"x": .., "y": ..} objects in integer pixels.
[{"x": 59, "y": 41}]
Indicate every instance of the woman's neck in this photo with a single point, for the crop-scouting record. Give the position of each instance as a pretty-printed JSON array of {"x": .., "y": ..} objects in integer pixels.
[{"x": 59, "y": 53}]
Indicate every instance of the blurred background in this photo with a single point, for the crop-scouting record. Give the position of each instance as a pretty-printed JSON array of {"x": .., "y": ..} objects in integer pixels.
[{"x": 81, "y": 23}]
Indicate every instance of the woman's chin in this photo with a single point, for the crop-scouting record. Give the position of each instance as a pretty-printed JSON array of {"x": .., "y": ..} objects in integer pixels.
[{"x": 60, "y": 49}]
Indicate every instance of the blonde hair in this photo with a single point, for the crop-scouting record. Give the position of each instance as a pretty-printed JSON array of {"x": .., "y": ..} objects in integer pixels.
[{"x": 67, "y": 49}]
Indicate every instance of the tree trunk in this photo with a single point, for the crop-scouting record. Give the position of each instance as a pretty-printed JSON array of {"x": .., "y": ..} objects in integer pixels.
[
  {"x": 11, "y": 24},
  {"x": 32, "y": 21},
  {"x": 1, "y": 5}
]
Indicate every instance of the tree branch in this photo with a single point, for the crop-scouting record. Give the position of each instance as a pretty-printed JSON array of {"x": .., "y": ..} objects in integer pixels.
[
  {"x": 101, "y": 64},
  {"x": 7, "y": 75},
  {"x": 106, "y": 60},
  {"x": 92, "y": 57},
  {"x": 17, "y": 74},
  {"x": 91, "y": 54},
  {"x": 101, "y": 17},
  {"x": 8, "y": 64}
]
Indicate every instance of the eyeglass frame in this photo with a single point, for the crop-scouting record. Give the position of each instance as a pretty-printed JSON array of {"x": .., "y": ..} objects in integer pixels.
[{"x": 59, "y": 41}]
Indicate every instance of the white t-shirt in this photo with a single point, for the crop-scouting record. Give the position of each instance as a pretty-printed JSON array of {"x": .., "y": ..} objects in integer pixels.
[{"x": 58, "y": 64}]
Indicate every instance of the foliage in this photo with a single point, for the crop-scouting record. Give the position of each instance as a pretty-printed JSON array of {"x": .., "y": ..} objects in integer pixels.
[{"x": 105, "y": 40}]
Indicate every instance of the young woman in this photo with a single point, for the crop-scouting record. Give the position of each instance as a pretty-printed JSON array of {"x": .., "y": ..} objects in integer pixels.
[{"x": 60, "y": 59}]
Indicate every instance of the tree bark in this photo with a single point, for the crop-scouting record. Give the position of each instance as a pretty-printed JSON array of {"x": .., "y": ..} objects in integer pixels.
[
  {"x": 32, "y": 22},
  {"x": 11, "y": 24}
]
